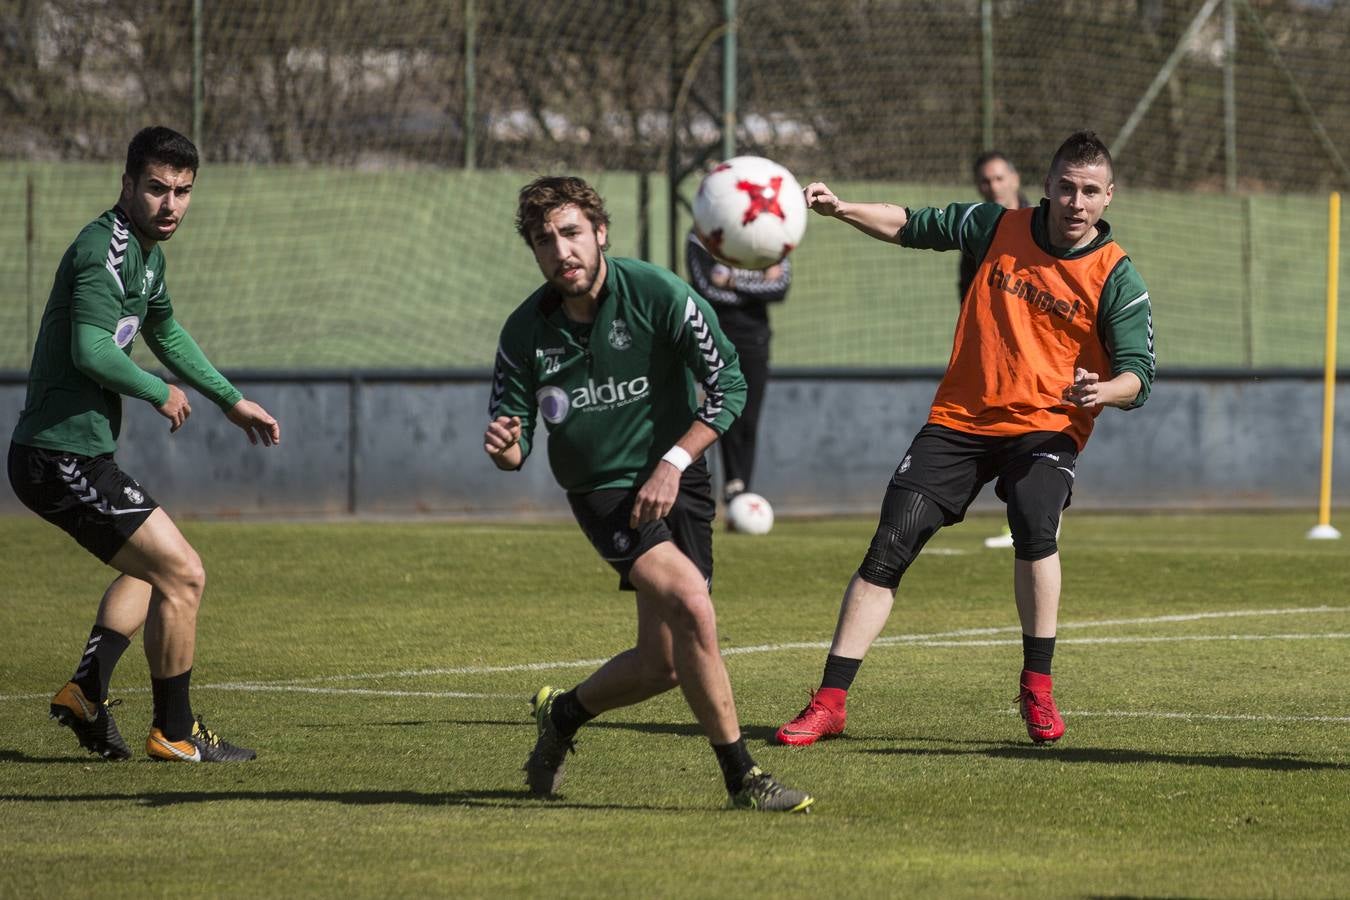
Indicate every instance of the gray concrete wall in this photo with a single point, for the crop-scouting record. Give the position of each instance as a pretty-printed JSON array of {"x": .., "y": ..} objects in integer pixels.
[
  {"x": 1195, "y": 443},
  {"x": 826, "y": 446}
]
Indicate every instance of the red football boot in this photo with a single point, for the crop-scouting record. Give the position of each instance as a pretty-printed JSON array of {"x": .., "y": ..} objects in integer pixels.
[
  {"x": 1037, "y": 704},
  {"x": 823, "y": 717}
]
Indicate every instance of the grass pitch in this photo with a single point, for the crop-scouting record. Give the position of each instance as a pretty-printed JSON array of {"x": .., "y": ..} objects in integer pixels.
[{"x": 383, "y": 670}]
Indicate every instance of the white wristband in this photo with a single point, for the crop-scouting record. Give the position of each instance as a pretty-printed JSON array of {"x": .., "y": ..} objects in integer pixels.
[{"x": 678, "y": 457}]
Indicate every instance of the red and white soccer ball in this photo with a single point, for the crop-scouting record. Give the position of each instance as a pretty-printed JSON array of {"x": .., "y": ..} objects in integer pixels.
[
  {"x": 749, "y": 212},
  {"x": 750, "y": 514}
]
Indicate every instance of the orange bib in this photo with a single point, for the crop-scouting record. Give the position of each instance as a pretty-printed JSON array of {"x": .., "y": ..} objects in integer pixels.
[{"x": 1028, "y": 321}]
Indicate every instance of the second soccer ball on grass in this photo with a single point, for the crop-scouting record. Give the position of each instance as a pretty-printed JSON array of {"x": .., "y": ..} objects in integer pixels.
[
  {"x": 749, "y": 212},
  {"x": 750, "y": 514}
]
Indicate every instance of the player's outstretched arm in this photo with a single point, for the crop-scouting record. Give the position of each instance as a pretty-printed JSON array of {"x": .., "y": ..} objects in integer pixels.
[
  {"x": 501, "y": 442},
  {"x": 883, "y": 221},
  {"x": 256, "y": 422}
]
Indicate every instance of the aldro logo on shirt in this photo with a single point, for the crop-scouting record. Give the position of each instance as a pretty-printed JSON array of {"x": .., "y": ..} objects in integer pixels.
[
  {"x": 1035, "y": 297},
  {"x": 555, "y": 404}
]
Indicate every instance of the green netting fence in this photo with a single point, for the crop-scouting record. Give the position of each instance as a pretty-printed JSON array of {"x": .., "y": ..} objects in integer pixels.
[{"x": 361, "y": 158}]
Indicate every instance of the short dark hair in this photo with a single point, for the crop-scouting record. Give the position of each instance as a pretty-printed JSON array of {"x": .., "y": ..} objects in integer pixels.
[
  {"x": 543, "y": 195},
  {"x": 158, "y": 144},
  {"x": 987, "y": 157},
  {"x": 1083, "y": 148}
]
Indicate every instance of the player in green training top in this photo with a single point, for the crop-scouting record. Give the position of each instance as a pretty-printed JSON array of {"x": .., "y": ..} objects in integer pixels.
[
  {"x": 109, "y": 287},
  {"x": 607, "y": 352}
]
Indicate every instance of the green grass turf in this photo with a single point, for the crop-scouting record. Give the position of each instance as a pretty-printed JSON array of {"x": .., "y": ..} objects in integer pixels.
[
  {"x": 935, "y": 790},
  {"x": 279, "y": 267}
]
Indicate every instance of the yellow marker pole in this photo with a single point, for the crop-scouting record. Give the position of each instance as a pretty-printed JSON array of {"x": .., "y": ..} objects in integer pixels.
[{"x": 1324, "y": 529}]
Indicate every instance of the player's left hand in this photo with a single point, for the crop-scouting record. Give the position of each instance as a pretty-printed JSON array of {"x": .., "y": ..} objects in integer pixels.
[
  {"x": 1085, "y": 392},
  {"x": 256, "y": 422},
  {"x": 657, "y": 497}
]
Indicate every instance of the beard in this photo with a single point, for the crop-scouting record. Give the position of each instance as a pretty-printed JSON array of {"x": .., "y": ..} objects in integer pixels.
[
  {"x": 581, "y": 286},
  {"x": 148, "y": 226}
]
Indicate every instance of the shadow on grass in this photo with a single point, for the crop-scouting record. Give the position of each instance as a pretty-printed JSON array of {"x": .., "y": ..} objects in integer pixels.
[
  {"x": 411, "y": 723},
  {"x": 1110, "y": 755},
  {"x": 498, "y": 799},
  {"x": 18, "y": 756},
  {"x": 680, "y": 729}
]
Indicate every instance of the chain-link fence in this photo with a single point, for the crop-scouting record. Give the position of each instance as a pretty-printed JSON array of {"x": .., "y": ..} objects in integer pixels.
[{"x": 360, "y": 157}]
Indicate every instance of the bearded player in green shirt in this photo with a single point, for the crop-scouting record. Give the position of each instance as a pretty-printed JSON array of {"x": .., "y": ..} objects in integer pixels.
[
  {"x": 109, "y": 287},
  {"x": 606, "y": 352}
]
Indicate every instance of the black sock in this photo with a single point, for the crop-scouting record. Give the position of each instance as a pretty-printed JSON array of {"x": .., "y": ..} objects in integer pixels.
[
  {"x": 840, "y": 672},
  {"x": 101, "y": 654},
  {"x": 1037, "y": 653},
  {"x": 568, "y": 714},
  {"x": 173, "y": 711},
  {"x": 735, "y": 762}
]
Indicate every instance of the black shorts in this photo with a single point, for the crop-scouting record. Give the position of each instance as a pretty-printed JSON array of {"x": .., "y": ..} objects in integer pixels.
[
  {"x": 950, "y": 467},
  {"x": 603, "y": 516},
  {"x": 88, "y": 497}
]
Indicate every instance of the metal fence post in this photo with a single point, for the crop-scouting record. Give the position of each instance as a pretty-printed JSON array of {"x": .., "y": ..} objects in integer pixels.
[
  {"x": 986, "y": 74},
  {"x": 470, "y": 85},
  {"x": 354, "y": 384},
  {"x": 672, "y": 137},
  {"x": 1230, "y": 96},
  {"x": 1248, "y": 283},
  {"x": 729, "y": 80},
  {"x": 29, "y": 257},
  {"x": 644, "y": 218},
  {"x": 197, "y": 89}
]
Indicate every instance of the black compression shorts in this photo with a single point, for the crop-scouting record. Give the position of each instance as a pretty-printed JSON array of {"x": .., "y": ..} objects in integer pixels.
[
  {"x": 603, "y": 516},
  {"x": 88, "y": 497}
]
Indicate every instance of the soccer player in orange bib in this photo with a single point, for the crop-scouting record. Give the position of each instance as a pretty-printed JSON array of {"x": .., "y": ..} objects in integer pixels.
[{"x": 1055, "y": 326}]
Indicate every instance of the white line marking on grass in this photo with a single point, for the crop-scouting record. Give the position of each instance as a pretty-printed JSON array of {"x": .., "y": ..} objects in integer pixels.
[
  {"x": 283, "y": 688},
  {"x": 463, "y": 695},
  {"x": 935, "y": 639},
  {"x": 1104, "y": 623},
  {"x": 813, "y": 645},
  {"x": 1193, "y": 617},
  {"x": 361, "y": 692},
  {"x": 1144, "y": 640},
  {"x": 1209, "y": 717},
  {"x": 454, "y": 670}
]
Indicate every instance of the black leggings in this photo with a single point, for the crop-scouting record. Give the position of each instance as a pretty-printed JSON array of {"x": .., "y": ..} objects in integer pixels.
[{"x": 749, "y": 332}]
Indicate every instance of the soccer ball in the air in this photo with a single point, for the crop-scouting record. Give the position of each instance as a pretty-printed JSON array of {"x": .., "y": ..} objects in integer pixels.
[
  {"x": 749, "y": 212},
  {"x": 750, "y": 514}
]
